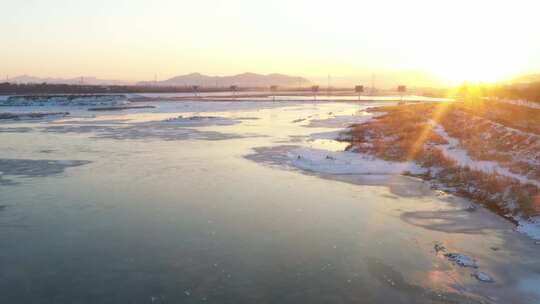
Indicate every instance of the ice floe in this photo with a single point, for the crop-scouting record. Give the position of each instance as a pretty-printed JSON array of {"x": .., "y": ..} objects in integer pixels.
[
  {"x": 31, "y": 115},
  {"x": 461, "y": 260},
  {"x": 201, "y": 121},
  {"x": 34, "y": 168},
  {"x": 483, "y": 277}
]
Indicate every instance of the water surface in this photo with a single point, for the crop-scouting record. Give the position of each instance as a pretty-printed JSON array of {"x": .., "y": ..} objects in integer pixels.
[{"x": 128, "y": 208}]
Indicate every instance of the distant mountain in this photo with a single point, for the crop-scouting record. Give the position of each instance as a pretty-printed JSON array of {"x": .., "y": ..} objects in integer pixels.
[
  {"x": 241, "y": 80},
  {"x": 77, "y": 80}
]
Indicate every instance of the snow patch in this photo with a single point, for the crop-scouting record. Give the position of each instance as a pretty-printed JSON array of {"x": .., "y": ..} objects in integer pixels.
[
  {"x": 530, "y": 227},
  {"x": 323, "y": 161},
  {"x": 521, "y": 102}
]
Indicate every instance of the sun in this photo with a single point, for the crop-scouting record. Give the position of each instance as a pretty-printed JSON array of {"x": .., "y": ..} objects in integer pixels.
[
  {"x": 487, "y": 67},
  {"x": 474, "y": 57}
]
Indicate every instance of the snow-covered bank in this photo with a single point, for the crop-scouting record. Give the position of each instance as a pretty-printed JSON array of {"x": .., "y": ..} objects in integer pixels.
[
  {"x": 65, "y": 100},
  {"x": 344, "y": 162},
  {"x": 490, "y": 162},
  {"x": 461, "y": 156},
  {"x": 329, "y": 162},
  {"x": 529, "y": 227}
]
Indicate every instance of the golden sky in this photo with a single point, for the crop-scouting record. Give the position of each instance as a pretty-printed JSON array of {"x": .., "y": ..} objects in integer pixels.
[{"x": 454, "y": 41}]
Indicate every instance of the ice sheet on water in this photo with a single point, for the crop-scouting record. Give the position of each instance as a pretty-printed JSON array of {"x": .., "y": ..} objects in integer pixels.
[
  {"x": 65, "y": 100},
  {"x": 389, "y": 276},
  {"x": 331, "y": 135},
  {"x": 32, "y": 116},
  {"x": 15, "y": 130},
  {"x": 144, "y": 131},
  {"x": 448, "y": 221},
  {"x": 219, "y": 106},
  {"x": 200, "y": 121},
  {"x": 34, "y": 168},
  {"x": 337, "y": 120}
]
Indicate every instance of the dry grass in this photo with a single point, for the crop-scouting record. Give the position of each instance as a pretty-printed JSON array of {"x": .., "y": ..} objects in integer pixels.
[{"x": 513, "y": 116}]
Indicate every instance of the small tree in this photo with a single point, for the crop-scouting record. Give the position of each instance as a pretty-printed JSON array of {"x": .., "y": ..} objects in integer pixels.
[
  {"x": 401, "y": 89},
  {"x": 315, "y": 90},
  {"x": 233, "y": 89},
  {"x": 273, "y": 89},
  {"x": 359, "y": 89},
  {"x": 195, "y": 90}
]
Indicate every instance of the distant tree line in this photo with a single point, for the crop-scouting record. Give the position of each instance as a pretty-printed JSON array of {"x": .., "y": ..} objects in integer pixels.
[
  {"x": 7, "y": 88},
  {"x": 529, "y": 92}
]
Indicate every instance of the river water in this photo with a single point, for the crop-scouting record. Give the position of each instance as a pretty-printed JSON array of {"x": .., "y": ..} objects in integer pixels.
[{"x": 136, "y": 207}]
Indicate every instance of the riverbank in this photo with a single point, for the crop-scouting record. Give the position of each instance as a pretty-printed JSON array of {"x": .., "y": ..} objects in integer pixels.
[{"x": 488, "y": 152}]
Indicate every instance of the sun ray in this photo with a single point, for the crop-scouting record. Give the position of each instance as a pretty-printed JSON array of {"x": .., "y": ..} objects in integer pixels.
[{"x": 438, "y": 114}]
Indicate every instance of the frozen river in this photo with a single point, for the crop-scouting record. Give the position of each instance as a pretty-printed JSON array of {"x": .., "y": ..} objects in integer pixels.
[{"x": 218, "y": 206}]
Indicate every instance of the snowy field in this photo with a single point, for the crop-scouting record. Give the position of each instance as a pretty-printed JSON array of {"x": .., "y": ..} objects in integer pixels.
[{"x": 238, "y": 202}]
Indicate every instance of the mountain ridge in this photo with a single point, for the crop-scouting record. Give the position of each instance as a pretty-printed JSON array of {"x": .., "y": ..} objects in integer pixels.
[{"x": 246, "y": 79}]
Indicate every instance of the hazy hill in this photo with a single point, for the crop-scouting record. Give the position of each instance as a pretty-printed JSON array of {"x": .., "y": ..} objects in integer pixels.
[
  {"x": 242, "y": 80},
  {"x": 526, "y": 79}
]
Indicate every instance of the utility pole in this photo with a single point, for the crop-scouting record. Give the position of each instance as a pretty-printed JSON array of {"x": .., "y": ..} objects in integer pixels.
[
  {"x": 273, "y": 89},
  {"x": 372, "y": 84},
  {"x": 314, "y": 90},
  {"x": 234, "y": 88},
  {"x": 401, "y": 89}
]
